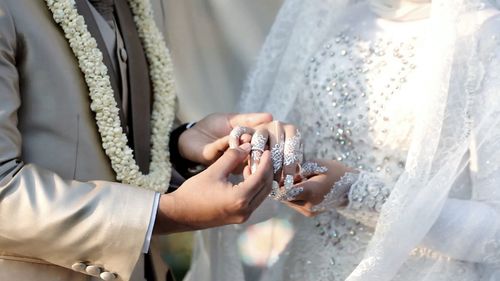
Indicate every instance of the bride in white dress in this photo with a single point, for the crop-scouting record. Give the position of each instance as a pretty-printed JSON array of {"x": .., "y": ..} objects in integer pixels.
[{"x": 400, "y": 100}]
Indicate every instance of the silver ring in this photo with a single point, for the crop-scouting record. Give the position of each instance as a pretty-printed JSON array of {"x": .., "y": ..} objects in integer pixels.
[
  {"x": 277, "y": 155},
  {"x": 258, "y": 142}
]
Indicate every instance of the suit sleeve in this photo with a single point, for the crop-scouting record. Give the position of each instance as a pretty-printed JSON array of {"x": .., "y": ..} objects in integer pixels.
[{"x": 63, "y": 222}]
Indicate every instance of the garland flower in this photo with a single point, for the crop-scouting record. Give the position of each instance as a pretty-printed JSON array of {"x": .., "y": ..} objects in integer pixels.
[{"x": 103, "y": 104}]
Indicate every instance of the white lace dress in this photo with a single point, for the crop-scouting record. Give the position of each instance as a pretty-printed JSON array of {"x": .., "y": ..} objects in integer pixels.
[{"x": 356, "y": 111}]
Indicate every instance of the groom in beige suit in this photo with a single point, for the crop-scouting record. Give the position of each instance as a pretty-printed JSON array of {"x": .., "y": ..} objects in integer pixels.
[{"x": 63, "y": 216}]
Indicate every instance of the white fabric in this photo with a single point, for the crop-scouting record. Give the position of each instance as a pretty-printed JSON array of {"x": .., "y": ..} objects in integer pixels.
[
  {"x": 433, "y": 141},
  {"x": 151, "y": 226},
  {"x": 401, "y": 10}
]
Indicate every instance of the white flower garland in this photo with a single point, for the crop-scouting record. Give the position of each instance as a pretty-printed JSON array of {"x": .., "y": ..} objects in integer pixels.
[{"x": 103, "y": 104}]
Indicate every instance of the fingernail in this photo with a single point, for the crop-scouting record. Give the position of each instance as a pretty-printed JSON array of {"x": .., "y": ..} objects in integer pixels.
[
  {"x": 288, "y": 182},
  {"x": 246, "y": 147}
]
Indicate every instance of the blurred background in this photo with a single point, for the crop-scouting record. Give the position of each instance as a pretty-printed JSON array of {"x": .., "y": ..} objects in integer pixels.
[{"x": 214, "y": 44}]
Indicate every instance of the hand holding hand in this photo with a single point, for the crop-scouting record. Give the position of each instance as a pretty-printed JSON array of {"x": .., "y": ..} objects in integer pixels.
[
  {"x": 205, "y": 142},
  {"x": 209, "y": 199},
  {"x": 316, "y": 186},
  {"x": 281, "y": 138}
]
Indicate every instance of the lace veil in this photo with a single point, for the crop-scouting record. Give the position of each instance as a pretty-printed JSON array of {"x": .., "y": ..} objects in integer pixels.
[{"x": 457, "y": 129}]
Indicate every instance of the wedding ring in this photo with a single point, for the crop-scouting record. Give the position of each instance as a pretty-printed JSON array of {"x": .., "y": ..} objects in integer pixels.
[
  {"x": 277, "y": 155},
  {"x": 258, "y": 142}
]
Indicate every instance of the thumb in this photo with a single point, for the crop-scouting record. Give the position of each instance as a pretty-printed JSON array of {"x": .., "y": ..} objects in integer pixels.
[{"x": 229, "y": 161}]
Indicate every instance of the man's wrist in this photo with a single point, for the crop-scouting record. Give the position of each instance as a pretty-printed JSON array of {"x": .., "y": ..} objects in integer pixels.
[
  {"x": 180, "y": 161},
  {"x": 181, "y": 140},
  {"x": 166, "y": 219}
]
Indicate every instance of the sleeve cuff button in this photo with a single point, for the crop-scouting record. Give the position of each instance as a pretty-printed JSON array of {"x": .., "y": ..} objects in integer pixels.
[
  {"x": 107, "y": 276},
  {"x": 93, "y": 270},
  {"x": 78, "y": 267}
]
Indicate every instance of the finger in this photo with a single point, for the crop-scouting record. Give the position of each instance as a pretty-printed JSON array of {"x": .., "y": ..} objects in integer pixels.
[
  {"x": 249, "y": 119},
  {"x": 314, "y": 191},
  {"x": 301, "y": 208},
  {"x": 261, "y": 196},
  {"x": 291, "y": 155},
  {"x": 229, "y": 161},
  {"x": 283, "y": 194},
  {"x": 275, "y": 190},
  {"x": 262, "y": 178},
  {"x": 277, "y": 144},
  {"x": 236, "y": 133},
  {"x": 245, "y": 138},
  {"x": 221, "y": 144},
  {"x": 308, "y": 194},
  {"x": 309, "y": 169},
  {"x": 259, "y": 141},
  {"x": 215, "y": 149},
  {"x": 246, "y": 172}
]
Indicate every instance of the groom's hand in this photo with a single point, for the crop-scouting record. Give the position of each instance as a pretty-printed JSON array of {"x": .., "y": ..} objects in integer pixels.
[
  {"x": 205, "y": 142},
  {"x": 209, "y": 199}
]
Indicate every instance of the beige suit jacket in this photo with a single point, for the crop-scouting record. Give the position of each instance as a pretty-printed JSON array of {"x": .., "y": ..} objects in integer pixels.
[{"x": 59, "y": 205}]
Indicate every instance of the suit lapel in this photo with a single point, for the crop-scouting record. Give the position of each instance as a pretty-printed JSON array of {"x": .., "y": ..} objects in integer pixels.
[
  {"x": 84, "y": 10},
  {"x": 139, "y": 85}
]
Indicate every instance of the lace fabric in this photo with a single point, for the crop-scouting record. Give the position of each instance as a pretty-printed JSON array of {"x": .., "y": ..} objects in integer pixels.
[
  {"x": 433, "y": 144},
  {"x": 339, "y": 194}
]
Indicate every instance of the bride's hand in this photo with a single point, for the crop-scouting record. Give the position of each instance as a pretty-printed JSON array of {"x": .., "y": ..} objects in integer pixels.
[
  {"x": 315, "y": 187},
  {"x": 284, "y": 142}
]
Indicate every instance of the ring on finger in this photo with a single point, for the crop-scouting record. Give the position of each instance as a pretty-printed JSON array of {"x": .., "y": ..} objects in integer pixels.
[
  {"x": 258, "y": 143},
  {"x": 277, "y": 155},
  {"x": 286, "y": 195}
]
